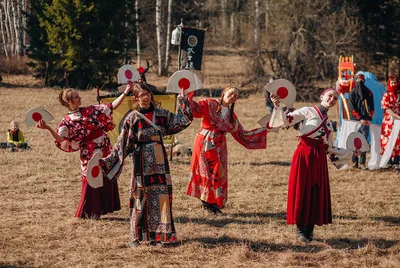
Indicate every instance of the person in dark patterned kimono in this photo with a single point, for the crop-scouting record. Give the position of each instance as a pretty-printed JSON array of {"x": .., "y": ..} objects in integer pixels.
[
  {"x": 309, "y": 198},
  {"x": 83, "y": 129},
  {"x": 151, "y": 185}
]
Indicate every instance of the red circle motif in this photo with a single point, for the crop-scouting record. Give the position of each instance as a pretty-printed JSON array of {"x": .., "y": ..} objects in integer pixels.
[
  {"x": 282, "y": 92},
  {"x": 36, "y": 116},
  {"x": 95, "y": 171},
  {"x": 128, "y": 74},
  {"x": 184, "y": 83},
  {"x": 357, "y": 143}
]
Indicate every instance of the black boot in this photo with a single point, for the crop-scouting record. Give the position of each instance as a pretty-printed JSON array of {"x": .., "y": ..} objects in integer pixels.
[
  {"x": 310, "y": 232},
  {"x": 301, "y": 234}
]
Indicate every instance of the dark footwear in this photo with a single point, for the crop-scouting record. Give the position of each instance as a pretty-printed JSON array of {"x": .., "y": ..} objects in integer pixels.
[
  {"x": 134, "y": 244},
  {"x": 310, "y": 232},
  {"x": 355, "y": 165},
  {"x": 216, "y": 210},
  {"x": 301, "y": 234}
]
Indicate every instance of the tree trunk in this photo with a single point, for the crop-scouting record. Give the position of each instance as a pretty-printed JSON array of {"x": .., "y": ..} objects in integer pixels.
[
  {"x": 7, "y": 24},
  {"x": 2, "y": 33},
  {"x": 223, "y": 17},
  {"x": 256, "y": 30},
  {"x": 158, "y": 32},
  {"x": 20, "y": 29},
  {"x": 168, "y": 37},
  {"x": 138, "y": 49},
  {"x": 15, "y": 28}
]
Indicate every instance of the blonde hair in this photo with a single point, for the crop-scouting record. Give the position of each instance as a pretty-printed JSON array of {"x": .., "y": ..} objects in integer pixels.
[
  {"x": 13, "y": 123},
  {"x": 64, "y": 96}
]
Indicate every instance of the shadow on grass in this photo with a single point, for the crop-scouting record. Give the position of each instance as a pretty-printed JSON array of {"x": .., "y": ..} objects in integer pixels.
[
  {"x": 114, "y": 219},
  {"x": 8, "y": 85},
  {"x": 256, "y": 164},
  {"x": 394, "y": 220},
  {"x": 344, "y": 217},
  {"x": 256, "y": 246},
  {"x": 222, "y": 221},
  {"x": 346, "y": 243}
]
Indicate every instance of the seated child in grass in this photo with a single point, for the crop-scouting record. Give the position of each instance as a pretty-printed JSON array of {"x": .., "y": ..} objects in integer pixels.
[{"x": 15, "y": 138}]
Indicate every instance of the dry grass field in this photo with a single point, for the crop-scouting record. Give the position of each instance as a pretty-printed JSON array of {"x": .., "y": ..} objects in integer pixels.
[{"x": 40, "y": 190}]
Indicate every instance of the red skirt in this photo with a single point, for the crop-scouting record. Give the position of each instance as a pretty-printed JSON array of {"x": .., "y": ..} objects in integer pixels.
[
  {"x": 309, "y": 199},
  {"x": 99, "y": 201}
]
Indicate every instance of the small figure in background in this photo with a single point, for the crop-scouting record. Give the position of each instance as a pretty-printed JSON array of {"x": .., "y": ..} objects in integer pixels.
[
  {"x": 361, "y": 106},
  {"x": 15, "y": 138},
  {"x": 268, "y": 101}
]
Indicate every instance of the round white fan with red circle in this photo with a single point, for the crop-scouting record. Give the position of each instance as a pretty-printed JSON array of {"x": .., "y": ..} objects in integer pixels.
[
  {"x": 34, "y": 115},
  {"x": 357, "y": 141},
  {"x": 94, "y": 174},
  {"x": 284, "y": 89},
  {"x": 127, "y": 73},
  {"x": 186, "y": 81}
]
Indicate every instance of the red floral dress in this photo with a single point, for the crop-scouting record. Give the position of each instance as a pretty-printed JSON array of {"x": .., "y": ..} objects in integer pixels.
[
  {"x": 209, "y": 165},
  {"x": 84, "y": 130},
  {"x": 390, "y": 100}
]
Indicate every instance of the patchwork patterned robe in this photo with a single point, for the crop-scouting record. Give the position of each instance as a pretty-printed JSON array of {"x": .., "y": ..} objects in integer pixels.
[
  {"x": 84, "y": 130},
  {"x": 209, "y": 165},
  {"x": 151, "y": 185}
]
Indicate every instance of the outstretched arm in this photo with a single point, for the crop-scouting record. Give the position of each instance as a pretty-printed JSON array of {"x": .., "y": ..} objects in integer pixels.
[
  {"x": 43, "y": 125},
  {"x": 117, "y": 102}
]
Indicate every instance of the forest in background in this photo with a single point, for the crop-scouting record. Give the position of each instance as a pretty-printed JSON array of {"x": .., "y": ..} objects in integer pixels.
[{"x": 82, "y": 43}]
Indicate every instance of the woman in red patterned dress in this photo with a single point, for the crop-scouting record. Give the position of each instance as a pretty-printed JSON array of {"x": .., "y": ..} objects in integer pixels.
[
  {"x": 83, "y": 129},
  {"x": 391, "y": 105},
  {"x": 209, "y": 165}
]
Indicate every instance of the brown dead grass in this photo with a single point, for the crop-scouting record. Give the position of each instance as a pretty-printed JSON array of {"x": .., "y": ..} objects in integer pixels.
[{"x": 40, "y": 190}]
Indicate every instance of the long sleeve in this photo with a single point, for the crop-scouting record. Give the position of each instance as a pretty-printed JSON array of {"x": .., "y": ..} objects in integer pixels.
[
  {"x": 198, "y": 109},
  {"x": 250, "y": 139},
  {"x": 113, "y": 163},
  {"x": 21, "y": 138},
  {"x": 338, "y": 156},
  {"x": 181, "y": 120}
]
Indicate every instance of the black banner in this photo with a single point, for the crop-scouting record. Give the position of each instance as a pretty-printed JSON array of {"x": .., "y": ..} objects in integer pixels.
[{"x": 191, "y": 48}]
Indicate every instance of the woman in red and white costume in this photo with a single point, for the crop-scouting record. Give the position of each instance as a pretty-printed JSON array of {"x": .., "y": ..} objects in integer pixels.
[
  {"x": 391, "y": 105},
  {"x": 309, "y": 200}
]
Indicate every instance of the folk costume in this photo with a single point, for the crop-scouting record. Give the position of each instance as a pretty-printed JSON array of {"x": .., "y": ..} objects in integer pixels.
[
  {"x": 151, "y": 185},
  {"x": 209, "y": 165},
  {"x": 84, "y": 130},
  {"x": 309, "y": 200},
  {"x": 390, "y": 100},
  {"x": 15, "y": 138},
  {"x": 361, "y": 106}
]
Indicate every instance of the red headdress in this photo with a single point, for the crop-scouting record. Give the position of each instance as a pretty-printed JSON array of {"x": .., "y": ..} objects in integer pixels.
[
  {"x": 360, "y": 78},
  {"x": 142, "y": 71},
  {"x": 394, "y": 87}
]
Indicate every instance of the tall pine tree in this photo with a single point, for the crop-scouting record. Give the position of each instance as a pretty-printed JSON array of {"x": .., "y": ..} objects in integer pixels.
[{"x": 86, "y": 40}]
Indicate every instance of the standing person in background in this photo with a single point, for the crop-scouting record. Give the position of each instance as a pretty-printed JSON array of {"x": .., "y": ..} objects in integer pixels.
[
  {"x": 15, "y": 138},
  {"x": 209, "y": 165},
  {"x": 83, "y": 129},
  {"x": 391, "y": 106},
  {"x": 151, "y": 184},
  {"x": 268, "y": 102},
  {"x": 361, "y": 106},
  {"x": 309, "y": 199}
]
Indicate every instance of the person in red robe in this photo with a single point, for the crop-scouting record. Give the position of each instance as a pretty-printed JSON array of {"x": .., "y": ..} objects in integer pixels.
[
  {"x": 391, "y": 105},
  {"x": 83, "y": 129},
  {"x": 209, "y": 164},
  {"x": 309, "y": 200}
]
